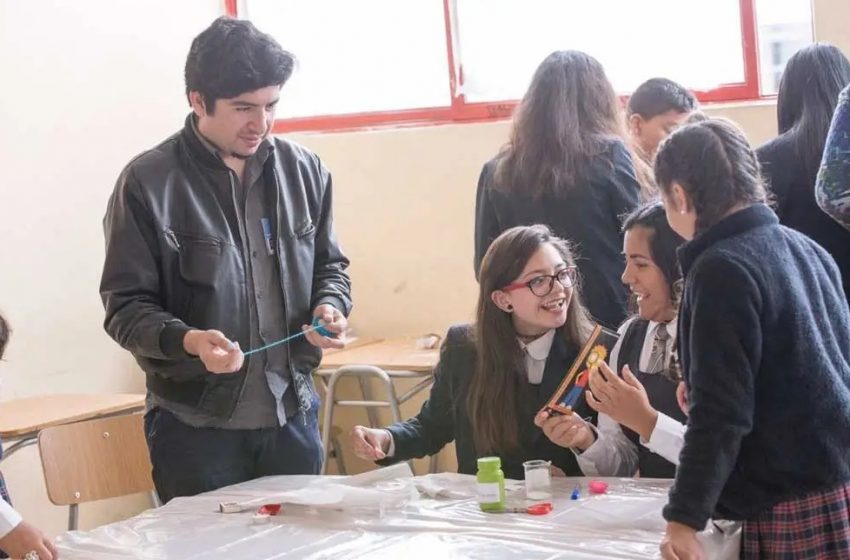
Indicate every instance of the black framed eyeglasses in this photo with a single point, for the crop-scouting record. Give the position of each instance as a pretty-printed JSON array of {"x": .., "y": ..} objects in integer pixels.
[{"x": 542, "y": 285}]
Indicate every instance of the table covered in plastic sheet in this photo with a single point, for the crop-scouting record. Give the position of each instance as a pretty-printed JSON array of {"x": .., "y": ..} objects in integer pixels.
[{"x": 386, "y": 514}]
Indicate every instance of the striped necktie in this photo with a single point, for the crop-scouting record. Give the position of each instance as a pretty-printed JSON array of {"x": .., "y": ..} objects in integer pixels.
[{"x": 658, "y": 357}]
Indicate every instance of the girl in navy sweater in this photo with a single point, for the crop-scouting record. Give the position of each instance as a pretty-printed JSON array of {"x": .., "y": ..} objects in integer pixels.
[
  {"x": 764, "y": 342},
  {"x": 811, "y": 83}
]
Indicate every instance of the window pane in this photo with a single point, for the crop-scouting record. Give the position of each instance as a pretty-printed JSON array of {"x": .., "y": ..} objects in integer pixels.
[
  {"x": 694, "y": 42},
  {"x": 355, "y": 57},
  {"x": 784, "y": 27}
]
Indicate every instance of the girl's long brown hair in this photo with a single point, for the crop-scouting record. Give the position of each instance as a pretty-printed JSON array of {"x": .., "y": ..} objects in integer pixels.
[
  {"x": 499, "y": 378},
  {"x": 569, "y": 114}
]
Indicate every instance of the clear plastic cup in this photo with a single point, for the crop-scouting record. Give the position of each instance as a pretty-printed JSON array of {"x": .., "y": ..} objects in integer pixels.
[
  {"x": 395, "y": 494},
  {"x": 538, "y": 480}
]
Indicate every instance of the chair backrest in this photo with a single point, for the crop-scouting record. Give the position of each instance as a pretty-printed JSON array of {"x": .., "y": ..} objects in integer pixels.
[{"x": 96, "y": 459}]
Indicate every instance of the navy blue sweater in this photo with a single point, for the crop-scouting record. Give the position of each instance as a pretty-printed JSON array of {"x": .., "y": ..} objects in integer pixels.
[{"x": 764, "y": 334}]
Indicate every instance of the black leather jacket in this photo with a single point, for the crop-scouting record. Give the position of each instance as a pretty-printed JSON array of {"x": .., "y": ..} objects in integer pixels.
[{"x": 174, "y": 262}]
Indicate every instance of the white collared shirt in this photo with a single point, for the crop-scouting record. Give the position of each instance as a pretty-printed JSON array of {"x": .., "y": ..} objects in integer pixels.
[
  {"x": 614, "y": 454},
  {"x": 9, "y": 518},
  {"x": 536, "y": 353}
]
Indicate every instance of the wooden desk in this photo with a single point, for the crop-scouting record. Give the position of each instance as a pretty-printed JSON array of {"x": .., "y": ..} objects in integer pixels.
[
  {"x": 22, "y": 419},
  {"x": 396, "y": 354},
  {"x": 350, "y": 344}
]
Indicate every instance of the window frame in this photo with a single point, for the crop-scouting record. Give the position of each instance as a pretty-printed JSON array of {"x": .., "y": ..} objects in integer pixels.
[{"x": 460, "y": 111}]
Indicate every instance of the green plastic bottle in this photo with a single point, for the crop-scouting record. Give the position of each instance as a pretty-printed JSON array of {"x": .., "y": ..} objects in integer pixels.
[{"x": 490, "y": 484}]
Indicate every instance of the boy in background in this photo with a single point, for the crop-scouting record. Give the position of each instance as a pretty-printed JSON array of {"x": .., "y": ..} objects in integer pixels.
[{"x": 656, "y": 108}]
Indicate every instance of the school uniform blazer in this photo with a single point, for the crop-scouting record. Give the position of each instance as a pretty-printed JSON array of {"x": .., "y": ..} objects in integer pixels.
[
  {"x": 794, "y": 189},
  {"x": 444, "y": 417},
  {"x": 588, "y": 215}
]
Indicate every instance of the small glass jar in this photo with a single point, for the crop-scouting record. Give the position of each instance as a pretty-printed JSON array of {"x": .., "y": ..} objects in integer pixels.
[{"x": 538, "y": 480}]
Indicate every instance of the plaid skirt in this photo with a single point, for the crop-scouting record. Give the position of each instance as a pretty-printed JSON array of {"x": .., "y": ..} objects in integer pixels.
[{"x": 815, "y": 526}]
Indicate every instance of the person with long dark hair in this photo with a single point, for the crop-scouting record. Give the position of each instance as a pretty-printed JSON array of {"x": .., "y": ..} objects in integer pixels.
[
  {"x": 764, "y": 342},
  {"x": 566, "y": 165},
  {"x": 494, "y": 376},
  {"x": 641, "y": 426},
  {"x": 808, "y": 93}
]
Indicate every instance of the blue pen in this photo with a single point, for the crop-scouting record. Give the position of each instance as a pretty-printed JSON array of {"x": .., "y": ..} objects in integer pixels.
[
  {"x": 267, "y": 234},
  {"x": 576, "y": 492}
]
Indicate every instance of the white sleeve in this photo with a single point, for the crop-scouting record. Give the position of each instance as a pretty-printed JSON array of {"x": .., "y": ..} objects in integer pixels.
[
  {"x": 9, "y": 518},
  {"x": 391, "y": 449},
  {"x": 666, "y": 439},
  {"x": 612, "y": 454}
]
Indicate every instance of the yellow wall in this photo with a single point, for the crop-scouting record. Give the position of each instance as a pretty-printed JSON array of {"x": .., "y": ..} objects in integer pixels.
[
  {"x": 404, "y": 207},
  {"x": 87, "y": 85}
]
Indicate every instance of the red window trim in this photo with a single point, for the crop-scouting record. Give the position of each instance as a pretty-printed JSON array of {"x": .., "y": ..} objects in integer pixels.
[{"x": 461, "y": 111}]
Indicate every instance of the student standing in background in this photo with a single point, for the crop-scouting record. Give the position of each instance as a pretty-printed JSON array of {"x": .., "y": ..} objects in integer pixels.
[
  {"x": 808, "y": 93},
  {"x": 567, "y": 165},
  {"x": 655, "y": 109}
]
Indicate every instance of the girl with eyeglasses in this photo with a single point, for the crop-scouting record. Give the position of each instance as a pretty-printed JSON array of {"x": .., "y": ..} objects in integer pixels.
[
  {"x": 495, "y": 375},
  {"x": 641, "y": 426}
]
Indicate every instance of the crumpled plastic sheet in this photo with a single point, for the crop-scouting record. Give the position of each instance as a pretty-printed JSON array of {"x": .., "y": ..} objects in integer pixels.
[{"x": 442, "y": 521}]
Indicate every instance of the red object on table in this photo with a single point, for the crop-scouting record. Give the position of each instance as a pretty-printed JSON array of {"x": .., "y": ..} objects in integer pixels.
[
  {"x": 539, "y": 509},
  {"x": 269, "y": 509},
  {"x": 597, "y": 487}
]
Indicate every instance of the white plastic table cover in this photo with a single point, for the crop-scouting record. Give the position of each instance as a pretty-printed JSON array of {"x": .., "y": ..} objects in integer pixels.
[{"x": 444, "y": 523}]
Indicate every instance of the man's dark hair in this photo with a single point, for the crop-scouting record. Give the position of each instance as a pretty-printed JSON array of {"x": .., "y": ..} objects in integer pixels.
[
  {"x": 657, "y": 96},
  {"x": 232, "y": 57}
]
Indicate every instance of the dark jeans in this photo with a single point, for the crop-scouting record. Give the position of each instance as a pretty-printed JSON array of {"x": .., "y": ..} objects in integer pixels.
[{"x": 188, "y": 461}]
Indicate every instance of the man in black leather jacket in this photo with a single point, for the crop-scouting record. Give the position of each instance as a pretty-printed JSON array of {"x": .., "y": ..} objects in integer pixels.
[{"x": 218, "y": 240}]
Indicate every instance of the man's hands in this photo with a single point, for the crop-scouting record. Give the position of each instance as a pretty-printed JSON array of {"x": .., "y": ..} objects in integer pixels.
[
  {"x": 333, "y": 320},
  {"x": 218, "y": 354}
]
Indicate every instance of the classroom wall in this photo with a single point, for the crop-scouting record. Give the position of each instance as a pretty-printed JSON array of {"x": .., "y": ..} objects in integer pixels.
[{"x": 88, "y": 84}]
